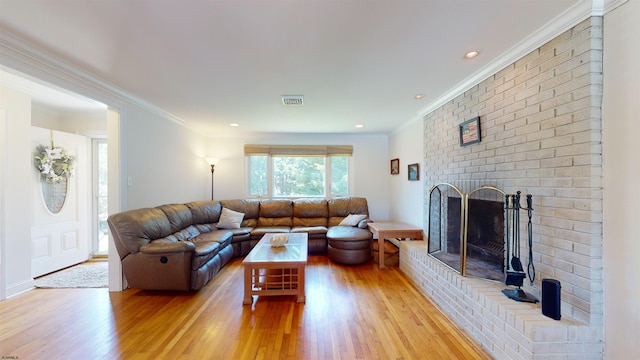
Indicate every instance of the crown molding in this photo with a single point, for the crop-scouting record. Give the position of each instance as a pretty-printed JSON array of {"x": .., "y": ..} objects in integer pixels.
[
  {"x": 561, "y": 23},
  {"x": 16, "y": 54},
  {"x": 602, "y": 7}
]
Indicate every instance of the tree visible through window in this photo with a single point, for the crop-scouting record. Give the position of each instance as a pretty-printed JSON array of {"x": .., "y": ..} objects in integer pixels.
[
  {"x": 297, "y": 176},
  {"x": 339, "y": 175},
  {"x": 258, "y": 175}
]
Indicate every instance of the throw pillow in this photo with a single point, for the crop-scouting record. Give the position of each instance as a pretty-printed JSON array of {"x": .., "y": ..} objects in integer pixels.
[
  {"x": 230, "y": 219},
  {"x": 352, "y": 220}
]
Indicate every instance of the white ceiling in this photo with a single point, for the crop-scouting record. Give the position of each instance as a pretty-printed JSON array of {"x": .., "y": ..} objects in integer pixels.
[{"x": 211, "y": 63}]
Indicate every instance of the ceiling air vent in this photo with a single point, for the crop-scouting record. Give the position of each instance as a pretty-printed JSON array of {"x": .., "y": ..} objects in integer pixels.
[{"x": 292, "y": 100}]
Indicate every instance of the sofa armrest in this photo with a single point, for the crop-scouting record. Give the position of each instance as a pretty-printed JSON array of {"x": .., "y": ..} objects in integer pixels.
[{"x": 161, "y": 247}]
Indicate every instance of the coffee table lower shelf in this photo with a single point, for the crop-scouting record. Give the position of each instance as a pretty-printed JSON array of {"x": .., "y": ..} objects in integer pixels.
[{"x": 263, "y": 280}]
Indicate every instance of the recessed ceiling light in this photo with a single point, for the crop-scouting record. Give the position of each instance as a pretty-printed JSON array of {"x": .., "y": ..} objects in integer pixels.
[
  {"x": 471, "y": 54},
  {"x": 234, "y": 124},
  {"x": 419, "y": 96},
  {"x": 359, "y": 126}
]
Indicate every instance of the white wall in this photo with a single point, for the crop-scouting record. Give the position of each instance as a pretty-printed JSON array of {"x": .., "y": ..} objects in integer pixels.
[
  {"x": 621, "y": 173},
  {"x": 16, "y": 192},
  {"x": 407, "y": 197},
  {"x": 370, "y": 165},
  {"x": 164, "y": 160}
]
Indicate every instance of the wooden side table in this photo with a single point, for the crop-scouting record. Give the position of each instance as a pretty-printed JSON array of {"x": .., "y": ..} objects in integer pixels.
[{"x": 385, "y": 230}]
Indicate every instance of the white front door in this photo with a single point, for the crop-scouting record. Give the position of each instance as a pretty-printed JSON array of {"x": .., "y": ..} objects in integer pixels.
[{"x": 60, "y": 239}]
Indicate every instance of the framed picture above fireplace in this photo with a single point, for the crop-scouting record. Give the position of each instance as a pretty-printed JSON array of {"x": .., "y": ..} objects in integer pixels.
[{"x": 470, "y": 131}]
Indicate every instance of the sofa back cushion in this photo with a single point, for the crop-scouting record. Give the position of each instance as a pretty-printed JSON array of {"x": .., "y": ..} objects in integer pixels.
[
  {"x": 179, "y": 216},
  {"x": 134, "y": 228},
  {"x": 339, "y": 208},
  {"x": 310, "y": 212},
  {"x": 250, "y": 209},
  {"x": 275, "y": 212},
  {"x": 205, "y": 211}
]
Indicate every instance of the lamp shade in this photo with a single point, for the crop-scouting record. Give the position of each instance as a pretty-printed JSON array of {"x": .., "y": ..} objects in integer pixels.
[{"x": 212, "y": 161}]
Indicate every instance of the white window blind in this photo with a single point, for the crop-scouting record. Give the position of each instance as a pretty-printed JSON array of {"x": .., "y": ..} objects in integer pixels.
[{"x": 299, "y": 150}]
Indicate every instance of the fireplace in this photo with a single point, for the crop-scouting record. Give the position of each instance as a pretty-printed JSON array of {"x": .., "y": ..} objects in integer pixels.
[{"x": 467, "y": 230}]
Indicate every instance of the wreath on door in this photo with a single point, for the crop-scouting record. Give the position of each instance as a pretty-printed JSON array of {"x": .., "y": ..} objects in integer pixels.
[{"x": 54, "y": 164}]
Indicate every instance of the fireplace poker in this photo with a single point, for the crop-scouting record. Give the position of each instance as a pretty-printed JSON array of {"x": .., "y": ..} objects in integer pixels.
[
  {"x": 507, "y": 202},
  {"x": 531, "y": 270},
  {"x": 515, "y": 273},
  {"x": 516, "y": 264}
]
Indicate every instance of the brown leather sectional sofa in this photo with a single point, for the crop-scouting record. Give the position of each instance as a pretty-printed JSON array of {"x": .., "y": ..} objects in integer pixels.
[{"x": 180, "y": 247}]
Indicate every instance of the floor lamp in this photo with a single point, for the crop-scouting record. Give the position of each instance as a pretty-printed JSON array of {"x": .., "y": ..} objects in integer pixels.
[{"x": 212, "y": 162}]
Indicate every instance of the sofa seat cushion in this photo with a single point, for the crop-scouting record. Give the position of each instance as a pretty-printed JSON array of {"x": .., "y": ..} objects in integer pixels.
[
  {"x": 349, "y": 245},
  {"x": 208, "y": 245},
  {"x": 348, "y": 234},
  {"x": 240, "y": 232},
  {"x": 314, "y": 232},
  {"x": 260, "y": 231},
  {"x": 205, "y": 251},
  {"x": 187, "y": 233},
  {"x": 220, "y": 236}
]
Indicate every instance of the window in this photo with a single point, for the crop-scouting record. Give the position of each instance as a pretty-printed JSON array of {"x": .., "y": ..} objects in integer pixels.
[{"x": 298, "y": 171}]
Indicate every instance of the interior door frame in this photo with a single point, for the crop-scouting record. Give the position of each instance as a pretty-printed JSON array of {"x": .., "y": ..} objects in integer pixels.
[{"x": 3, "y": 170}]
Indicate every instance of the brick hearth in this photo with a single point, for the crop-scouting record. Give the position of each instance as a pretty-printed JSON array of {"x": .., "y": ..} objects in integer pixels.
[{"x": 505, "y": 328}]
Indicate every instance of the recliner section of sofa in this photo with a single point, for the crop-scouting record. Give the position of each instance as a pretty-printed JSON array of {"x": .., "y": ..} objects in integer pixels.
[{"x": 179, "y": 246}]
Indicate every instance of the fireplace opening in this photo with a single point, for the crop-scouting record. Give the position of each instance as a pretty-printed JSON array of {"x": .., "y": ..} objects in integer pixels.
[{"x": 475, "y": 225}]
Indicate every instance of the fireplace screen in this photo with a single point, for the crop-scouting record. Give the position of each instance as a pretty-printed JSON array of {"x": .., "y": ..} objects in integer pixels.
[{"x": 467, "y": 230}]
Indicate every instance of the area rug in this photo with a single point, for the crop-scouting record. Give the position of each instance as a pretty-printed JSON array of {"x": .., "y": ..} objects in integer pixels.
[{"x": 93, "y": 274}]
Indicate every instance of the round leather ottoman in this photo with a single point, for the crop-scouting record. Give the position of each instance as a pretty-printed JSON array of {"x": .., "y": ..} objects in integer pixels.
[{"x": 349, "y": 245}]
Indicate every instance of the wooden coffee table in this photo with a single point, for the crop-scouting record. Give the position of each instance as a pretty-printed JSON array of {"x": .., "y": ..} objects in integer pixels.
[
  {"x": 386, "y": 230},
  {"x": 276, "y": 270}
]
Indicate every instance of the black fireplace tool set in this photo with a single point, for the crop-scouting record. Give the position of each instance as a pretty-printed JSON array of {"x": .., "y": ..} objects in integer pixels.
[{"x": 515, "y": 270}]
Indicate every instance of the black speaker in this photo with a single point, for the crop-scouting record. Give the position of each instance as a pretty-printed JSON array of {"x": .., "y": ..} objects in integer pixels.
[{"x": 551, "y": 298}]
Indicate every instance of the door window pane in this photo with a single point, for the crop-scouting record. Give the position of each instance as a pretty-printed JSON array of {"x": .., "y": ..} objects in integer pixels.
[{"x": 102, "y": 197}]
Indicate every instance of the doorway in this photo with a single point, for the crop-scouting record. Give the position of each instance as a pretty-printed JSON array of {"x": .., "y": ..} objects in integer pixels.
[{"x": 20, "y": 99}]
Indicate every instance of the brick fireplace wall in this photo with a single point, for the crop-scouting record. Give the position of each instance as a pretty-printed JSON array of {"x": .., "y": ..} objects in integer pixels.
[{"x": 541, "y": 134}]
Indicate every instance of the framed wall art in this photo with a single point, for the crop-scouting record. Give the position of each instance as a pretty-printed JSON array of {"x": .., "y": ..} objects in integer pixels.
[
  {"x": 395, "y": 166},
  {"x": 414, "y": 172},
  {"x": 470, "y": 131}
]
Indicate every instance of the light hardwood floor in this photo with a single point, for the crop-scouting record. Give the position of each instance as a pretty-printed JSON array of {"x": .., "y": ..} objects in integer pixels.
[{"x": 351, "y": 312}]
